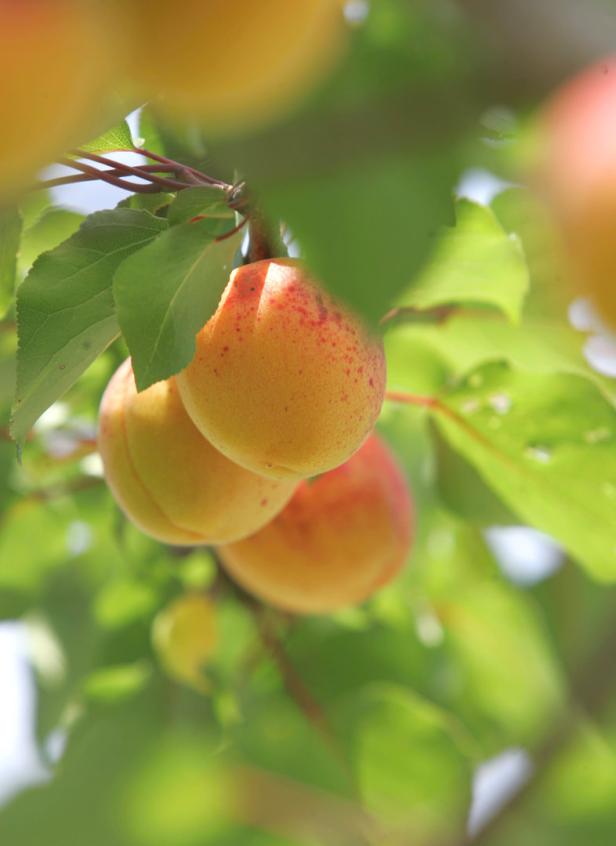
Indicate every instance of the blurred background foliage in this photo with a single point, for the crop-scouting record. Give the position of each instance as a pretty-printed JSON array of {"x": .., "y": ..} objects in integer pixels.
[{"x": 365, "y": 726}]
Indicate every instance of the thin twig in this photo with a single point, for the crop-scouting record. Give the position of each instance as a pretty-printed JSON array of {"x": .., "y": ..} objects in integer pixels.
[
  {"x": 130, "y": 170},
  {"x": 88, "y": 177},
  {"x": 112, "y": 180},
  {"x": 231, "y": 232},
  {"x": 202, "y": 177},
  {"x": 412, "y": 399},
  {"x": 592, "y": 688}
]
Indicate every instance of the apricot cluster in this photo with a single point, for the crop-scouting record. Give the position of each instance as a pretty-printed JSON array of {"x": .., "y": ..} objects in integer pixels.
[{"x": 263, "y": 446}]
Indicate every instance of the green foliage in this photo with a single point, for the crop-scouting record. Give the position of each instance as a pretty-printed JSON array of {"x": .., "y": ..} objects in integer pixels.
[
  {"x": 475, "y": 262},
  {"x": 65, "y": 308},
  {"x": 365, "y": 726},
  {"x": 159, "y": 321},
  {"x": 546, "y": 445},
  {"x": 10, "y": 234}
]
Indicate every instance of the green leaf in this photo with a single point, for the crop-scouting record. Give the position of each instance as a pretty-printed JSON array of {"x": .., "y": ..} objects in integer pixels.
[
  {"x": 10, "y": 233},
  {"x": 52, "y": 228},
  {"x": 365, "y": 231},
  {"x": 192, "y": 202},
  {"x": 65, "y": 309},
  {"x": 476, "y": 261},
  {"x": 167, "y": 291},
  {"x": 546, "y": 444},
  {"x": 411, "y": 762},
  {"x": 117, "y": 138}
]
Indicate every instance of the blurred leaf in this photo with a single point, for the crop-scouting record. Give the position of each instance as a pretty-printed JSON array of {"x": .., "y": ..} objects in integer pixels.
[
  {"x": 117, "y": 138},
  {"x": 476, "y": 261},
  {"x": 365, "y": 231},
  {"x": 10, "y": 233},
  {"x": 192, "y": 202},
  {"x": 112, "y": 684},
  {"x": 159, "y": 322},
  {"x": 507, "y": 682},
  {"x": 410, "y": 760},
  {"x": 65, "y": 308},
  {"x": 545, "y": 443}
]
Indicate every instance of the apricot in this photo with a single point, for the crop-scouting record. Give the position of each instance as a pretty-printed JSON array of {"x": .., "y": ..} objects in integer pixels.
[
  {"x": 54, "y": 65},
  {"x": 284, "y": 381},
  {"x": 578, "y": 177},
  {"x": 165, "y": 475},
  {"x": 342, "y": 536},
  {"x": 230, "y": 65},
  {"x": 184, "y": 637}
]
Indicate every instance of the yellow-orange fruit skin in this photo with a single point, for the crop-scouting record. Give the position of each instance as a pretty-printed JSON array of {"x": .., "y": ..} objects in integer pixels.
[
  {"x": 231, "y": 65},
  {"x": 54, "y": 67},
  {"x": 284, "y": 381},
  {"x": 184, "y": 636},
  {"x": 342, "y": 536},
  {"x": 165, "y": 475},
  {"x": 577, "y": 175}
]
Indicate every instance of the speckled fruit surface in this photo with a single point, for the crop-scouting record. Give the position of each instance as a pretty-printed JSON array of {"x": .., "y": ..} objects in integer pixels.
[
  {"x": 165, "y": 475},
  {"x": 284, "y": 381},
  {"x": 342, "y": 536}
]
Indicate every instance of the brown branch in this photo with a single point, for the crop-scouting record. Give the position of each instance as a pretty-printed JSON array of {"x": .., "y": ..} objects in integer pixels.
[
  {"x": 592, "y": 687},
  {"x": 87, "y": 177},
  {"x": 104, "y": 176},
  {"x": 130, "y": 170},
  {"x": 202, "y": 178}
]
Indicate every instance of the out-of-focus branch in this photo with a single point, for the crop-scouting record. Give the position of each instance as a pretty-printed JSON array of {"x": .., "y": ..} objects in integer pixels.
[{"x": 592, "y": 688}]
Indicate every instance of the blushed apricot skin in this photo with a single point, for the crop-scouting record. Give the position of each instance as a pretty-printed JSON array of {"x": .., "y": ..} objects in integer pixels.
[
  {"x": 341, "y": 537},
  {"x": 167, "y": 478},
  {"x": 184, "y": 636},
  {"x": 54, "y": 65},
  {"x": 230, "y": 65},
  {"x": 577, "y": 176},
  {"x": 284, "y": 381}
]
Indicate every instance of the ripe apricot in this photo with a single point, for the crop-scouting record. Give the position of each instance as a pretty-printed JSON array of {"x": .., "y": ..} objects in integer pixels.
[
  {"x": 578, "y": 177},
  {"x": 284, "y": 381},
  {"x": 53, "y": 66},
  {"x": 184, "y": 638},
  {"x": 230, "y": 65},
  {"x": 342, "y": 536},
  {"x": 168, "y": 479}
]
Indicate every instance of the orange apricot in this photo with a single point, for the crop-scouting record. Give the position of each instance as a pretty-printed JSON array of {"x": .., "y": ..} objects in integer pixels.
[
  {"x": 284, "y": 380},
  {"x": 54, "y": 66},
  {"x": 230, "y": 65},
  {"x": 165, "y": 475},
  {"x": 577, "y": 175},
  {"x": 342, "y": 536}
]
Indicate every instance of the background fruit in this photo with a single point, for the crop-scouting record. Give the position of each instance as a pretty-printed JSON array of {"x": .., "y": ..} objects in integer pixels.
[
  {"x": 342, "y": 536},
  {"x": 168, "y": 479},
  {"x": 230, "y": 65},
  {"x": 578, "y": 176},
  {"x": 184, "y": 637},
  {"x": 54, "y": 67},
  {"x": 284, "y": 381}
]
